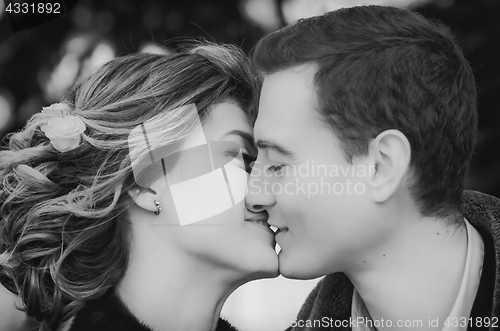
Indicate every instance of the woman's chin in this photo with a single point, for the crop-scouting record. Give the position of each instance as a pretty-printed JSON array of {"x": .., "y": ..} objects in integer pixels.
[
  {"x": 272, "y": 269},
  {"x": 265, "y": 266},
  {"x": 272, "y": 273}
]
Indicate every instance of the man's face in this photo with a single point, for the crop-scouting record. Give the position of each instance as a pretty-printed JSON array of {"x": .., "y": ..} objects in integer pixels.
[{"x": 318, "y": 200}]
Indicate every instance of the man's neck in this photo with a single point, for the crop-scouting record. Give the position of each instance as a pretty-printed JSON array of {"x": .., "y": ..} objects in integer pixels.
[{"x": 415, "y": 274}]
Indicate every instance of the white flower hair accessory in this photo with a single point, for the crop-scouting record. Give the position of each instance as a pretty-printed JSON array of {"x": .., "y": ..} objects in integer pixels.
[
  {"x": 63, "y": 130},
  {"x": 56, "y": 109}
]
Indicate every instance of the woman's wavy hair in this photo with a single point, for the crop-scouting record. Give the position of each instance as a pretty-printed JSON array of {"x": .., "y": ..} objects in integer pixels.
[{"x": 64, "y": 221}]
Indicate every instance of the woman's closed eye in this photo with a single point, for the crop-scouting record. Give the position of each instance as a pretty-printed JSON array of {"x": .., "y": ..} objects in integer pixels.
[{"x": 248, "y": 159}]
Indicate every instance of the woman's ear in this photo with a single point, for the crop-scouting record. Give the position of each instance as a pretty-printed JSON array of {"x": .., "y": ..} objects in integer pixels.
[
  {"x": 391, "y": 154},
  {"x": 145, "y": 198}
]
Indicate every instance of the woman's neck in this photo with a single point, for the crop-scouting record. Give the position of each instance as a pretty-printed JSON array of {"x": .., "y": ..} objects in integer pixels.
[{"x": 176, "y": 292}]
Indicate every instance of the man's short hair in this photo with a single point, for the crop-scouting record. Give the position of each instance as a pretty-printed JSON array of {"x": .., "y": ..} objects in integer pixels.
[{"x": 380, "y": 68}]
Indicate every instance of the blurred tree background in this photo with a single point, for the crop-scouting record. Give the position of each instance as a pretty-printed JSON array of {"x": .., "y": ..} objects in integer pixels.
[{"x": 38, "y": 65}]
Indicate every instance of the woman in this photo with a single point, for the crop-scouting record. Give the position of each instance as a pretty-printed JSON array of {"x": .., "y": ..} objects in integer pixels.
[{"x": 96, "y": 233}]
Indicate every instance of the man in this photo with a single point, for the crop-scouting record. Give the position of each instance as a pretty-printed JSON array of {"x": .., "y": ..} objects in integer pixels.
[{"x": 366, "y": 126}]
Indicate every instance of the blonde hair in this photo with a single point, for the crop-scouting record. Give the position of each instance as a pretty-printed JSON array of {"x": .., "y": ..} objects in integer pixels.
[{"x": 64, "y": 223}]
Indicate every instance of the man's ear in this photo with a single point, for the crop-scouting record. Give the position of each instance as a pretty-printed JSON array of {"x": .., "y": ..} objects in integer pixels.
[
  {"x": 144, "y": 198},
  {"x": 391, "y": 153}
]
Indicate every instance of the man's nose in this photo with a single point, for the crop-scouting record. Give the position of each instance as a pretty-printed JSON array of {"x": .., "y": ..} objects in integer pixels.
[{"x": 259, "y": 197}]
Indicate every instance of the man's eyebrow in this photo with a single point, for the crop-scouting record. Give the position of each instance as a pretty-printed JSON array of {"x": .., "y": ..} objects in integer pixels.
[
  {"x": 266, "y": 144},
  {"x": 248, "y": 137}
]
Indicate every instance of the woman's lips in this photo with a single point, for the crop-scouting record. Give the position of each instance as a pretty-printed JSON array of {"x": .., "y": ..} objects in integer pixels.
[{"x": 261, "y": 222}]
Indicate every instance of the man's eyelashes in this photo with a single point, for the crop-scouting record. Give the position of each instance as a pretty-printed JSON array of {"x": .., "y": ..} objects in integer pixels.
[
  {"x": 276, "y": 168},
  {"x": 250, "y": 159}
]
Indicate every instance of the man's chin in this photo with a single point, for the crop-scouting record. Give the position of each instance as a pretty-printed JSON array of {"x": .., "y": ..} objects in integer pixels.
[
  {"x": 296, "y": 274},
  {"x": 293, "y": 268}
]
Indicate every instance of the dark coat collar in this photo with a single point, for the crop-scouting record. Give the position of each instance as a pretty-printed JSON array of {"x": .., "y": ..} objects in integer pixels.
[{"x": 109, "y": 313}]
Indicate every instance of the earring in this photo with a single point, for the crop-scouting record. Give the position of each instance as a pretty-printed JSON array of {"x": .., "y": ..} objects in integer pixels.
[{"x": 158, "y": 208}]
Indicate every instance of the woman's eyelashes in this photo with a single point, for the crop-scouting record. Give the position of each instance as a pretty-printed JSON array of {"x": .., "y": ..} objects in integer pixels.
[
  {"x": 249, "y": 162},
  {"x": 248, "y": 159}
]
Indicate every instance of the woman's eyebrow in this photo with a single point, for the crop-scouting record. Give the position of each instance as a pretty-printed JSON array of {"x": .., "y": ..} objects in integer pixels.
[{"x": 247, "y": 137}]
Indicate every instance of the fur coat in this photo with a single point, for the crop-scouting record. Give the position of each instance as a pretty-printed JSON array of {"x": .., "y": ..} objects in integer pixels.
[{"x": 109, "y": 313}]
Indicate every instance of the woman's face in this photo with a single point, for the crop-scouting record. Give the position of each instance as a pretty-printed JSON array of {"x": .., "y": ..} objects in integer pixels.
[{"x": 217, "y": 228}]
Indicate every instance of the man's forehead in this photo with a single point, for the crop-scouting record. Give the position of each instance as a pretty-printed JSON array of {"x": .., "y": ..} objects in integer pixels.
[
  {"x": 287, "y": 103},
  {"x": 271, "y": 126}
]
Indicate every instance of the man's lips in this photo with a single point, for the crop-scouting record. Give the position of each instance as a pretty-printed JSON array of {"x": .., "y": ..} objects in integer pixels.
[{"x": 280, "y": 231}]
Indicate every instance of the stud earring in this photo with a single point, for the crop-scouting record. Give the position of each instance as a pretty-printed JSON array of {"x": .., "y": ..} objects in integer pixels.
[{"x": 158, "y": 208}]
